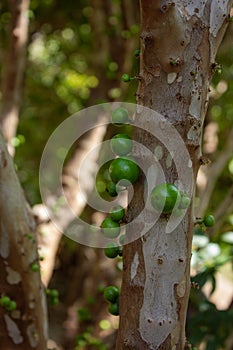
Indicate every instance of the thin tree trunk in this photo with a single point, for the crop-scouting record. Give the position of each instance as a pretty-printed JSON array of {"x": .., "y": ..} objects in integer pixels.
[
  {"x": 179, "y": 44},
  {"x": 25, "y": 327},
  {"x": 213, "y": 173},
  {"x": 15, "y": 64}
]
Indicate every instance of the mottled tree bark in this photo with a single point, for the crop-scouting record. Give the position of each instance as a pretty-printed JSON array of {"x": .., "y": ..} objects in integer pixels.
[
  {"x": 179, "y": 41},
  {"x": 14, "y": 69},
  {"x": 25, "y": 327}
]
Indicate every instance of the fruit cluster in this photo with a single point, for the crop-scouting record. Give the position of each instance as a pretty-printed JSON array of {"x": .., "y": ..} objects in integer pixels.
[
  {"x": 207, "y": 221},
  {"x": 167, "y": 198},
  {"x": 7, "y": 303},
  {"x": 35, "y": 267},
  {"x": 111, "y": 294},
  {"x": 53, "y": 296},
  {"x": 122, "y": 170}
]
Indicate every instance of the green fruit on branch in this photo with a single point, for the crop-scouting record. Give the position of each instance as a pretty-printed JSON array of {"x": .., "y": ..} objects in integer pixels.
[
  {"x": 54, "y": 293},
  {"x": 111, "y": 294},
  {"x": 54, "y": 301},
  {"x": 117, "y": 213},
  {"x": 165, "y": 197},
  {"x": 5, "y": 301},
  {"x": 111, "y": 189},
  {"x": 111, "y": 250},
  {"x": 184, "y": 201},
  {"x": 100, "y": 186},
  {"x": 113, "y": 309},
  {"x": 120, "y": 116},
  {"x": 125, "y": 78},
  {"x": 137, "y": 53},
  {"x": 124, "y": 168},
  {"x": 110, "y": 228},
  {"x": 11, "y": 306},
  {"x": 121, "y": 144},
  {"x": 122, "y": 239},
  {"x": 35, "y": 267},
  {"x": 209, "y": 220}
]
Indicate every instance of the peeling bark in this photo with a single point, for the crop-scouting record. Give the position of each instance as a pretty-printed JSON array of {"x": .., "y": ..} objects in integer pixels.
[
  {"x": 26, "y": 327},
  {"x": 179, "y": 41}
]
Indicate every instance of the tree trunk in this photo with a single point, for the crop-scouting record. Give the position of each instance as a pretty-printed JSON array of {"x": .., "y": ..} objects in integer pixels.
[
  {"x": 15, "y": 63},
  {"x": 179, "y": 41},
  {"x": 25, "y": 327}
]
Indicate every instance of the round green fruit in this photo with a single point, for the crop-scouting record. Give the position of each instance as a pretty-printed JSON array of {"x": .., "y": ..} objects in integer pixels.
[
  {"x": 117, "y": 213},
  {"x": 111, "y": 250},
  {"x": 106, "y": 175},
  {"x": 137, "y": 53},
  {"x": 124, "y": 168},
  {"x": 113, "y": 309},
  {"x": 209, "y": 220},
  {"x": 5, "y": 301},
  {"x": 11, "y": 306},
  {"x": 125, "y": 78},
  {"x": 100, "y": 186},
  {"x": 111, "y": 189},
  {"x": 198, "y": 231},
  {"x": 35, "y": 267},
  {"x": 111, "y": 294},
  {"x": 54, "y": 301},
  {"x": 178, "y": 212},
  {"x": 122, "y": 239},
  {"x": 110, "y": 228},
  {"x": 121, "y": 144},
  {"x": 120, "y": 254},
  {"x": 120, "y": 116},
  {"x": 54, "y": 293},
  {"x": 165, "y": 197},
  {"x": 184, "y": 202}
]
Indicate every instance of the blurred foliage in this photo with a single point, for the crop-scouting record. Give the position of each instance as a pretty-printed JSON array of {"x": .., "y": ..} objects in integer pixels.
[
  {"x": 205, "y": 323},
  {"x": 61, "y": 75}
]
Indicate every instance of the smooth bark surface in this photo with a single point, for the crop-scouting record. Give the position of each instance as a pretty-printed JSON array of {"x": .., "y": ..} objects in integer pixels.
[
  {"x": 179, "y": 41},
  {"x": 25, "y": 327}
]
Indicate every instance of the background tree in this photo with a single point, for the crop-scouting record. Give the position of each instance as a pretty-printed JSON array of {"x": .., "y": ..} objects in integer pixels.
[{"x": 23, "y": 310}]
